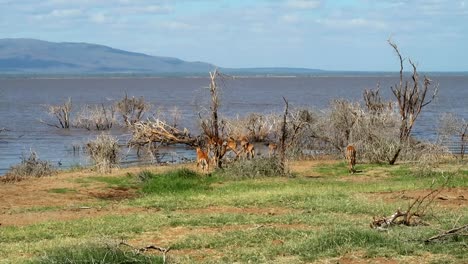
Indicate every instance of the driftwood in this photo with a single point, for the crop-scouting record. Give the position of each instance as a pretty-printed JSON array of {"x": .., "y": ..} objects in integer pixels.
[
  {"x": 158, "y": 131},
  {"x": 451, "y": 232},
  {"x": 164, "y": 251}
]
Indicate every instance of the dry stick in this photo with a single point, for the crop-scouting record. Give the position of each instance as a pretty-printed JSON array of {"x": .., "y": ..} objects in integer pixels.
[
  {"x": 143, "y": 249},
  {"x": 283, "y": 137},
  {"x": 450, "y": 232}
]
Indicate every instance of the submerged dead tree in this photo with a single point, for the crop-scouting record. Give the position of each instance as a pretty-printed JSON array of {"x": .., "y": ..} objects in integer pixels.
[
  {"x": 132, "y": 109},
  {"x": 411, "y": 97},
  {"x": 61, "y": 113}
]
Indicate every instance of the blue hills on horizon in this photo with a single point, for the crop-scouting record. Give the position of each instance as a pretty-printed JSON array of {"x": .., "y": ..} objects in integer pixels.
[{"x": 32, "y": 56}]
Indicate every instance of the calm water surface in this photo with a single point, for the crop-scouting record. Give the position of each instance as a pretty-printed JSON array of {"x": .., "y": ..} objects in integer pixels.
[{"x": 22, "y": 105}]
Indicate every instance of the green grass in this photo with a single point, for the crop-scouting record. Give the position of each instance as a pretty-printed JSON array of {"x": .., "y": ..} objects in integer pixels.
[
  {"x": 94, "y": 253},
  {"x": 182, "y": 181},
  {"x": 210, "y": 219}
]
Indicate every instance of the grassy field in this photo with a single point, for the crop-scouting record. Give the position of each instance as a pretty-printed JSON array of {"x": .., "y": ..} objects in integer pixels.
[{"x": 320, "y": 214}]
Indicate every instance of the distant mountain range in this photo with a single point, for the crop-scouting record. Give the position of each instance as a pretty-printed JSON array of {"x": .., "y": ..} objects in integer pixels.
[{"x": 31, "y": 56}]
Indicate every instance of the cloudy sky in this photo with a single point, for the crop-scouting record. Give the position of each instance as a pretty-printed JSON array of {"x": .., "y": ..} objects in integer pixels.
[{"x": 325, "y": 34}]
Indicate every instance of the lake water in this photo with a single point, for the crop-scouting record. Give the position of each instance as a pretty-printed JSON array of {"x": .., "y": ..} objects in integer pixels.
[{"x": 22, "y": 103}]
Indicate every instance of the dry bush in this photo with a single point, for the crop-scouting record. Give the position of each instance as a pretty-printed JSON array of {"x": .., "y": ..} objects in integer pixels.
[
  {"x": 97, "y": 117},
  {"x": 253, "y": 168},
  {"x": 132, "y": 109},
  {"x": 335, "y": 125},
  {"x": 61, "y": 113},
  {"x": 256, "y": 127},
  {"x": 104, "y": 152},
  {"x": 30, "y": 166},
  {"x": 453, "y": 131},
  {"x": 427, "y": 157}
]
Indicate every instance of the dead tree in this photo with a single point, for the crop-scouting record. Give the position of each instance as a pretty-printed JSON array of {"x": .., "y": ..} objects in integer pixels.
[
  {"x": 61, "y": 113},
  {"x": 411, "y": 98},
  {"x": 132, "y": 109},
  {"x": 211, "y": 127}
]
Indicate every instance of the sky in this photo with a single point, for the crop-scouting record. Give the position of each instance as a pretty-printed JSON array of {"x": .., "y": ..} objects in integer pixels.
[{"x": 320, "y": 34}]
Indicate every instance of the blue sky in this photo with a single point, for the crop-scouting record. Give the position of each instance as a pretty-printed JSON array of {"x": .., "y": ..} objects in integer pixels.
[{"x": 325, "y": 34}]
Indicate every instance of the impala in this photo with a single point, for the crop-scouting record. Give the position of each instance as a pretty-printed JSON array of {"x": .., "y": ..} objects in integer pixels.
[
  {"x": 272, "y": 147},
  {"x": 351, "y": 157},
  {"x": 202, "y": 159},
  {"x": 247, "y": 147}
]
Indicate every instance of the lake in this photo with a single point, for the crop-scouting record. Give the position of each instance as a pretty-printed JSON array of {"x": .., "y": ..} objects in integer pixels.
[{"x": 22, "y": 103}]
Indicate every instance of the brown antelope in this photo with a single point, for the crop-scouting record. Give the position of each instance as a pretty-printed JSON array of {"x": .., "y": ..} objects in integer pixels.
[
  {"x": 202, "y": 159},
  {"x": 230, "y": 145},
  {"x": 272, "y": 147},
  {"x": 247, "y": 147},
  {"x": 351, "y": 157}
]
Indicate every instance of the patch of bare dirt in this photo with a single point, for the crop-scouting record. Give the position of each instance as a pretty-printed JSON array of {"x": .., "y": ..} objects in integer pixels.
[
  {"x": 28, "y": 218},
  {"x": 33, "y": 200},
  {"x": 115, "y": 194},
  {"x": 306, "y": 167},
  {"x": 449, "y": 197}
]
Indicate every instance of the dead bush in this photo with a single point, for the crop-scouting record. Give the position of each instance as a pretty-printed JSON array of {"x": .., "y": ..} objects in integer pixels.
[
  {"x": 30, "y": 166},
  {"x": 453, "y": 131},
  {"x": 97, "y": 117},
  {"x": 104, "y": 152},
  {"x": 61, "y": 113},
  {"x": 256, "y": 127},
  {"x": 253, "y": 168},
  {"x": 132, "y": 109}
]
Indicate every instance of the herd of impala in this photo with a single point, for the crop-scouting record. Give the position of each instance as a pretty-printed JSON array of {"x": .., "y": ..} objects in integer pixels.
[{"x": 243, "y": 148}]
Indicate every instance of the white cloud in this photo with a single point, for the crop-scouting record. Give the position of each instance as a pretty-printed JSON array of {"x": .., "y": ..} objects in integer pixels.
[
  {"x": 289, "y": 19},
  {"x": 65, "y": 12},
  {"x": 176, "y": 25},
  {"x": 342, "y": 23},
  {"x": 99, "y": 18},
  {"x": 303, "y": 4}
]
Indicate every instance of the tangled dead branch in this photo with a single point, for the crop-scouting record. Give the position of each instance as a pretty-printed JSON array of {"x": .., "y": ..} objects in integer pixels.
[
  {"x": 412, "y": 215},
  {"x": 158, "y": 131}
]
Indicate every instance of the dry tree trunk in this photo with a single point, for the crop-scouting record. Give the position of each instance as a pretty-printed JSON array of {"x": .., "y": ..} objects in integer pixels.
[
  {"x": 214, "y": 118},
  {"x": 283, "y": 137}
]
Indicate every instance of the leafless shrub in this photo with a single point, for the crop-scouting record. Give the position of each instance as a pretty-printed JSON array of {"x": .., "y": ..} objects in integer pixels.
[
  {"x": 256, "y": 127},
  {"x": 453, "y": 130},
  {"x": 61, "y": 113},
  {"x": 376, "y": 133},
  {"x": 104, "y": 152},
  {"x": 132, "y": 109},
  {"x": 427, "y": 157},
  {"x": 97, "y": 117},
  {"x": 335, "y": 124},
  {"x": 30, "y": 166}
]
